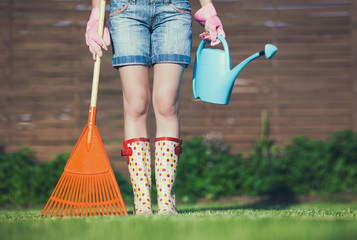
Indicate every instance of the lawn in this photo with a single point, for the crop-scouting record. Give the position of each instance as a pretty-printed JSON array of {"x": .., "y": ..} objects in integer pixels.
[{"x": 208, "y": 221}]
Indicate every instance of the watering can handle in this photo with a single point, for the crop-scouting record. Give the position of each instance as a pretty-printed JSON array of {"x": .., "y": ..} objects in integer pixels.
[{"x": 225, "y": 46}]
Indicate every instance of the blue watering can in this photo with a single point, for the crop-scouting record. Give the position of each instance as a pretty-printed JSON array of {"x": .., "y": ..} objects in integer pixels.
[{"x": 213, "y": 77}]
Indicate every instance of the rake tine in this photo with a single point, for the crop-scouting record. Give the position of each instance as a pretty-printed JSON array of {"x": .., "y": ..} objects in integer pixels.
[
  {"x": 95, "y": 202},
  {"x": 73, "y": 209},
  {"x": 83, "y": 190},
  {"x": 51, "y": 200},
  {"x": 83, "y": 197},
  {"x": 108, "y": 195},
  {"x": 72, "y": 197},
  {"x": 100, "y": 197},
  {"x": 90, "y": 203},
  {"x": 96, "y": 198},
  {"x": 68, "y": 203},
  {"x": 101, "y": 200},
  {"x": 87, "y": 203},
  {"x": 110, "y": 212},
  {"x": 61, "y": 196},
  {"x": 65, "y": 179},
  {"x": 93, "y": 197},
  {"x": 78, "y": 208},
  {"x": 112, "y": 195},
  {"x": 118, "y": 195},
  {"x": 75, "y": 198},
  {"x": 117, "y": 191},
  {"x": 103, "y": 195},
  {"x": 65, "y": 199},
  {"x": 110, "y": 189},
  {"x": 87, "y": 196},
  {"x": 83, "y": 202}
]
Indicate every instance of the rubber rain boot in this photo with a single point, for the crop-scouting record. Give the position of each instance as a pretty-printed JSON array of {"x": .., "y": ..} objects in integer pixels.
[
  {"x": 137, "y": 152},
  {"x": 167, "y": 152}
]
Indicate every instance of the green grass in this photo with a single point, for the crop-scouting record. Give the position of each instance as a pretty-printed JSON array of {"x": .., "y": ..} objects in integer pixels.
[{"x": 209, "y": 221}]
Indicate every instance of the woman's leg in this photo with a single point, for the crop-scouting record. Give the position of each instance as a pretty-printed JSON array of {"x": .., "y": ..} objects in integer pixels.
[
  {"x": 136, "y": 94},
  {"x": 136, "y": 98},
  {"x": 167, "y": 81}
]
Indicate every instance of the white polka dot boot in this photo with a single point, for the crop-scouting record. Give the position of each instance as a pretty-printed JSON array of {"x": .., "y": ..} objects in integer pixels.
[
  {"x": 137, "y": 152},
  {"x": 167, "y": 152}
]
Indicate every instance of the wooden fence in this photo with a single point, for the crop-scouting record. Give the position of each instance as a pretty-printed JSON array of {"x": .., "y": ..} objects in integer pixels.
[{"x": 308, "y": 88}]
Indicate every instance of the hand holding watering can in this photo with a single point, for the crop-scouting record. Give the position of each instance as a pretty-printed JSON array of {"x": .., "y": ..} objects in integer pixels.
[{"x": 207, "y": 17}]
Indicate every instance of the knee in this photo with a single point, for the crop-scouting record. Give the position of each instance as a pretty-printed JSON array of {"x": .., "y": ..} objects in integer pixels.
[
  {"x": 165, "y": 108},
  {"x": 137, "y": 107}
]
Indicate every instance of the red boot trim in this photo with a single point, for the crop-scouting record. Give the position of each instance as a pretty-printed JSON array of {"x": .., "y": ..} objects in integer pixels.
[
  {"x": 178, "y": 149},
  {"x": 178, "y": 140},
  {"x": 127, "y": 150},
  {"x": 136, "y": 140}
]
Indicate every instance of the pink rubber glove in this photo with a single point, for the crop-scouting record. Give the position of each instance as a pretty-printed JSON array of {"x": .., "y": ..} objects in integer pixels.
[
  {"x": 93, "y": 40},
  {"x": 207, "y": 17}
]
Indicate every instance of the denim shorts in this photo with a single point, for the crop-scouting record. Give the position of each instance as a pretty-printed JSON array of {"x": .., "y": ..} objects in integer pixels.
[{"x": 145, "y": 32}]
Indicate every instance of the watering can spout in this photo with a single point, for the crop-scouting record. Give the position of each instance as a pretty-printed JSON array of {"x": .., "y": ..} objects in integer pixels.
[
  {"x": 232, "y": 74},
  {"x": 269, "y": 51}
]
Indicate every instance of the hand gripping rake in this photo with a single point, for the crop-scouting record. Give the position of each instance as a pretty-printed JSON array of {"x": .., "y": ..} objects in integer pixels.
[{"x": 87, "y": 186}]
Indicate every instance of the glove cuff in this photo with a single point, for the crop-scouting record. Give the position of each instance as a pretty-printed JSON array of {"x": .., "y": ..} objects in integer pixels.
[
  {"x": 94, "y": 15},
  {"x": 205, "y": 13}
]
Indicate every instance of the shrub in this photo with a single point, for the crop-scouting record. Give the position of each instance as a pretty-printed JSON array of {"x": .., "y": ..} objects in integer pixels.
[
  {"x": 342, "y": 147},
  {"x": 206, "y": 169},
  {"x": 16, "y": 177},
  {"x": 190, "y": 180},
  {"x": 306, "y": 166},
  {"x": 268, "y": 170}
]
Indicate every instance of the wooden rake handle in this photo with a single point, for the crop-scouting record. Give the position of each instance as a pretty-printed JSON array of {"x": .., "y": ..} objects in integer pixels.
[
  {"x": 95, "y": 82},
  {"x": 96, "y": 71}
]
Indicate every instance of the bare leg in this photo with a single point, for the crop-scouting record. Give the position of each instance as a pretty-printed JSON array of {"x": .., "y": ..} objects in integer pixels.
[
  {"x": 136, "y": 95},
  {"x": 167, "y": 80}
]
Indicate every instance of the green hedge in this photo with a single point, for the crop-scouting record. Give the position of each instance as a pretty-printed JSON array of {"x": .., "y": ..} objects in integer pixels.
[
  {"x": 306, "y": 166},
  {"x": 208, "y": 169}
]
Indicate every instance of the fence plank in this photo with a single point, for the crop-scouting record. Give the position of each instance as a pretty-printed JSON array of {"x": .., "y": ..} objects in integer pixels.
[{"x": 354, "y": 65}]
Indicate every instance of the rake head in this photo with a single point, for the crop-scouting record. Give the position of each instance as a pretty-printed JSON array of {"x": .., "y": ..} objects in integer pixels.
[
  {"x": 85, "y": 195},
  {"x": 87, "y": 186},
  {"x": 80, "y": 196}
]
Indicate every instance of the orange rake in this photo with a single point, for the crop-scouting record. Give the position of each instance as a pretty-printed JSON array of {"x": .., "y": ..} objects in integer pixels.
[{"x": 87, "y": 186}]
